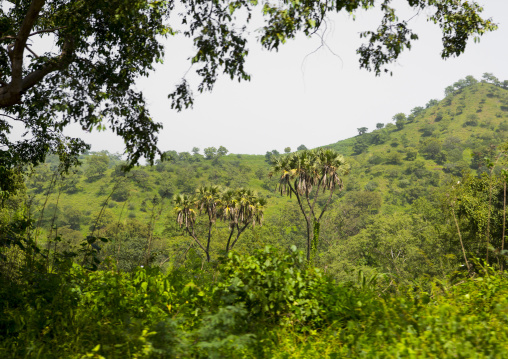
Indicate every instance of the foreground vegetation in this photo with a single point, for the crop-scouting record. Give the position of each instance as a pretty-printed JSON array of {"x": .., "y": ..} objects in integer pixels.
[
  {"x": 267, "y": 305},
  {"x": 396, "y": 250}
]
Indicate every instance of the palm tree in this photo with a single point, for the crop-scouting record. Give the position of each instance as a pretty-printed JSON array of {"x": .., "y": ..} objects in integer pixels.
[
  {"x": 307, "y": 174},
  {"x": 208, "y": 201},
  {"x": 238, "y": 207},
  {"x": 241, "y": 208},
  {"x": 186, "y": 216}
]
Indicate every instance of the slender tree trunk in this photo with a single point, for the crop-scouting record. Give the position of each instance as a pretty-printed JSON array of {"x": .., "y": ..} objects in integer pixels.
[
  {"x": 504, "y": 225},
  {"x": 239, "y": 232},
  {"x": 307, "y": 219},
  {"x": 51, "y": 184},
  {"x": 193, "y": 235},
  {"x": 51, "y": 229},
  {"x": 309, "y": 239},
  {"x": 229, "y": 239},
  {"x": 119, "y": 240},
  {"x": 460, "y": 238},
  {"x": 488, "y": 218},
  {"x": 154, "y": 216},
  {"x": 315, "y": 238},
  {"x": 210, "y": 224}
]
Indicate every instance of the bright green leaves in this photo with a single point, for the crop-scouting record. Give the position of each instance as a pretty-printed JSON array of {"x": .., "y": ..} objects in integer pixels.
[{"x": 274, "y": 288}]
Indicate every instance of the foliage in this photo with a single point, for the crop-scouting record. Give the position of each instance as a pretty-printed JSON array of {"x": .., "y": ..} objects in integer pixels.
[
  {"x": 272, "y": 288},
  {"x": 305, "y": 174},
  {"x": 400, "y": 120},
  {"x": 264, "y": 305},
  {"x": 81, "y": 80},
  {"x": 362, "y": 130},
  {"x": 402, "y": 214},
  {"x": 239, "y": 208},
  {"x": 97, "y": 164}
]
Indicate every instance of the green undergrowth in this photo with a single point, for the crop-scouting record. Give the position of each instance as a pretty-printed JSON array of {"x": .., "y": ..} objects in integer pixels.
[{"x": 266, "y": 305}]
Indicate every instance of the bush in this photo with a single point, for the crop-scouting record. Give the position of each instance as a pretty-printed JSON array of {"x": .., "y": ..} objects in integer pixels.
[
  {"x": 121, "y": 194},
  {"x": 371, "y": 186},
  {"x": 472, "y": 120},
  {"x": 273, "y": 288}
]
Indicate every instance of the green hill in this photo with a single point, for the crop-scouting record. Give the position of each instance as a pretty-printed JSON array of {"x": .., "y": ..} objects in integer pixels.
[{"x": 397, "y": 170}]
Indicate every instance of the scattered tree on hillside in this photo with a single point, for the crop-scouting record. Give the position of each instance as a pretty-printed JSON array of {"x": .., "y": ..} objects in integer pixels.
[
  {"x": 361, "y": 145},
  {"x": 460, "y": 84},
  {"x": 301, "y": 148},
  {"x": 97, "y": 165},
  {"x": 222, "y": 151},
  {"x": 449, "y": 90},
  {"x": 270, "y": 155},
  {"x": 490, "y": 78},
  {"x": 400, "y": 120},
  {"x": 470, "y": 80},
  {"x": 431, "y": 103},
  {"x": 210, "y": 153},
  {"x": 287, "y": 150},
  {"x": 416, "y": 111},
  {"x": 375, "y": 138},
  {"x": 432, "y": 150},
  {"x": 362, "y": 130},
  {"x": 380, "y": 125},
  {"x": 306, "y": 175}
]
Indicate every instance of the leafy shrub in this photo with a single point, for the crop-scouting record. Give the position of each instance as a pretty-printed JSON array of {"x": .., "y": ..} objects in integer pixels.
[
  {"x": 472, "y": 120},
  {"x": 273, "y": 288},
  {"x": 121, "y": 194},
  {"x": 375, "y": 160}
]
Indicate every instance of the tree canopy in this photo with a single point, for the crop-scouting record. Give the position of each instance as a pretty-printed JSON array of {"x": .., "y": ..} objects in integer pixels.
[
  {"x": 307, "y": 174},
  {"x": 100, "y": 48}
]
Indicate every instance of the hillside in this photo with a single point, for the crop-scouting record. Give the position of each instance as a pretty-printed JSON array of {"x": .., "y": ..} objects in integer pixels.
[
  {"x": 443, "y": 138},
  {"x": 397, "y": 170}
]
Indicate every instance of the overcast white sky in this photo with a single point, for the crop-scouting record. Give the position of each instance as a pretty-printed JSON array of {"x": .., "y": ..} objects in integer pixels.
[{"x": 295, "y": 98}]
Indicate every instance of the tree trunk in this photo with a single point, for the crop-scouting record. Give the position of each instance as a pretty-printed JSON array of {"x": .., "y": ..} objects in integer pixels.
[
  {"x": 504, "y": 226},
  {"x": 229, "y": 239},
  {"x": 460, "y": 238},
  {"x": 240, "y": 231},
  {"x": 315, "y": 238},
  {"x": 309, "y": 240},
  {"x": 210, "y": 224}
]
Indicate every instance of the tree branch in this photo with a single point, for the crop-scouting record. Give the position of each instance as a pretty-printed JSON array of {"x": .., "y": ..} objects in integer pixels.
[
  {"x": 7, "y": 38},
  {"x": 240, "y": 231},
  {"x": 20, "y": 43},
  {"x": 326, "y": 205},
  {"x": 47, "y": 30},
  {"x": 193, "y": 235},
  {"x": 315, "y": 197},
  {"x": 12, "y": 118},
  {"x": 33, "y": 53},
  {"x": 54, "y": 64}
]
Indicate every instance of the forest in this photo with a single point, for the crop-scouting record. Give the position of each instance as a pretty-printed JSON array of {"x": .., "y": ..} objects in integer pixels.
[
  {"x": 389, "y": 244},
  {"x": 393, "y": 249}
]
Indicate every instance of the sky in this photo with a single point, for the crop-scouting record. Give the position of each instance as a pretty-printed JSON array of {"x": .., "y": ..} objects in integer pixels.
[{"x": 308, "y": 95}]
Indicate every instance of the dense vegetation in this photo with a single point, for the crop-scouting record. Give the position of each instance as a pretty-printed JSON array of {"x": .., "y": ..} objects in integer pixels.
[{"x": 202, "y": 255}]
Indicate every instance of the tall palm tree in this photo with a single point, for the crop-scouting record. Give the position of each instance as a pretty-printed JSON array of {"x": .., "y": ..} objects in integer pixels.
[
  {"x": 247, "y": 208},
  {"x": 208, "y": 201},
  {"x": 186, "y": 216},
  {"x": 238, "y": 207},
  {"x": 307, "y": 174}
]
